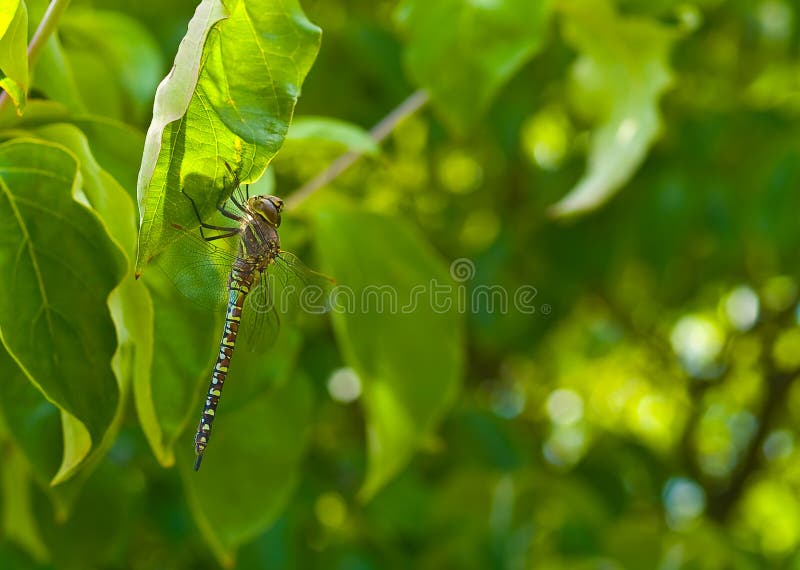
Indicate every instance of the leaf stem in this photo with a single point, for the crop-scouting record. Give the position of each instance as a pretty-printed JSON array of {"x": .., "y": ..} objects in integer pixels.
[
  {"x": 379, "y": 132},
  {"x": 46, "y": 28}
]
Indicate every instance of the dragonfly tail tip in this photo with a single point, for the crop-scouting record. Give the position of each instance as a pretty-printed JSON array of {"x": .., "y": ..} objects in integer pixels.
[{"x": 197, "y": 462}]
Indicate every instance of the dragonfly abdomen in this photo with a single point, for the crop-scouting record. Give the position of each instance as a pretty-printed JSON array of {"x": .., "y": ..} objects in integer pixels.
[{"x": 238, "y": 287}]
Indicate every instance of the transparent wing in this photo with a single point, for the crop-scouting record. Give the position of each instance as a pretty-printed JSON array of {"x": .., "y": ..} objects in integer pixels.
[
  {"x": 296, "y": 289},
  {"x": 286, "y": 290},
  {"x": 199, "y": 269},
  {"x": 260, "y": 319}
]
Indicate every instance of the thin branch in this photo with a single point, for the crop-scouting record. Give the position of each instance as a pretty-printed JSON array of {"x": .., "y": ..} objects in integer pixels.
[
  {"x": 379, "y": 132},
  {"x": 46, "y": 28}
]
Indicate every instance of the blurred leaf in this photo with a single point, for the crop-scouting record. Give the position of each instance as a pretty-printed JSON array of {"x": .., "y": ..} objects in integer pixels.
[
  {"x": 229, "y": 98},
  {"x": 101, "y": 524},
  {"x": 463, "y": 51},
  {"x": 59, "y": 268},
  {"x": 116, "y": 146},
  {"x": 14, "y": 51},
  {"x": 315, "y": 130},
  {"x": 53, "y": 76},
  {"x": 19, "y": 524},
  {"x": 251, "y": 468},
  {"x": 619, "y": 77},
  {"x": 115, "y": 62},
  {"x": 409, "y": 356}
]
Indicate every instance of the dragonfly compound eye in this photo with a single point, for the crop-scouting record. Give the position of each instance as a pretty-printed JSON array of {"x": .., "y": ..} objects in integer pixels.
[{"x": 267, "y": 208}]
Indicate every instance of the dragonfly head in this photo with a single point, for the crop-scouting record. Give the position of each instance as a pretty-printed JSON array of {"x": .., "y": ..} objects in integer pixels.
[{"x": 268, "y": 207}]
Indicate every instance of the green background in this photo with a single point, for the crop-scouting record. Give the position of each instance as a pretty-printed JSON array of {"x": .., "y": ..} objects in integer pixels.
[{"x": 631, "y": 165}]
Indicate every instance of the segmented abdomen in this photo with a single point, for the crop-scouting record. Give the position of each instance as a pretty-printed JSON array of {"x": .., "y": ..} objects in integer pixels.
[{"x": 239, "y": 285}]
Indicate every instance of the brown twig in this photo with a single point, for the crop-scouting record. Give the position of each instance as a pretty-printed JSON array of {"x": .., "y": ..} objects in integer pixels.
[{"x": 379, "y": 132}]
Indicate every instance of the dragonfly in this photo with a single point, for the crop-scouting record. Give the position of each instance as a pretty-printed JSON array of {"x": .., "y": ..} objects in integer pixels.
[{"x": 240, "y": 267}]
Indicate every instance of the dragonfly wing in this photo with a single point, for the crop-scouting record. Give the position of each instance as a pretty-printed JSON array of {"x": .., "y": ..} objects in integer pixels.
[
  {"x": 296, "y": 289},
  {"x": 199, "y": 269},
  {"x": 260, "y": 319}
]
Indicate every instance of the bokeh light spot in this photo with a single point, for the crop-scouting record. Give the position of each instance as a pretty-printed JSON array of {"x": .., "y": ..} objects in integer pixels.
[
  {"x": 330, "y": 510},
  {"x": 697, "y": 341},
  {"x": 684, "y": 501},
  {"x": 742, "y": 307},
  {"x": 344, "y": 385},
  {"x": 565, "y": 407}
]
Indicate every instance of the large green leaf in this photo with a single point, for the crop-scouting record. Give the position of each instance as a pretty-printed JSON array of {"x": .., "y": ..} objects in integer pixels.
[
  {"x": 59, "y": 268},
  {"x": 131, "y": 308},
  {"x": 14, "y": 51},
  {"x": 228, "y": 99},
  {"x": 464, "y": 51},
  {"x": 410, "y": 361},
  {"x": 252, "y": 465},
  {"x": 618, "y": 79}
]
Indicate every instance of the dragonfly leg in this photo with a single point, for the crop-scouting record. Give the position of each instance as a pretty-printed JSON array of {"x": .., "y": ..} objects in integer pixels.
[
  {"x": 221, "y": 236},
  {"x": 236, "y": 186},
  {"x": 221, "y": 209},
  {"x": 210, "y": 226}
]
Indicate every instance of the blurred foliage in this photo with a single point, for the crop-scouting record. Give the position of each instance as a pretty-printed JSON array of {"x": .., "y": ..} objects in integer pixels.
[{"x": 624, "y": 171}]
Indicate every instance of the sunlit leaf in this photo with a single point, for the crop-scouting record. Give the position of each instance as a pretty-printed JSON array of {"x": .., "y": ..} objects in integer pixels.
[
  {"x": 59, "y": 267},
  {"x": 229, "y": 99},
  {"x": 622, "y": 71},
  {"x": 251, "y": 468},
  {"x": 464, "y": 51},
  {"x": 406, "y": 347},
  {"x": 14, "y": 51}
]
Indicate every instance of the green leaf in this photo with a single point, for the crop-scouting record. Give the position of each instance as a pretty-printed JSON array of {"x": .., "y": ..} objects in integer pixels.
[
  {"x": 346, "y": 136},
  {"x": 116, "y": 146},
  {"x": 59, "y": 268},
  {"x": 229, "y": 98},
  {"x": 621, "y": 73},
  {"x": 54, "y": 77},
  {"x": 251, "y": 468},
  {"x": 464, "y": 51},
  {"x": 186, "y": 339},
  {"x": 131, "y": 308},
  {"x": 101, "y": 523},
  {"x": 33, "y": 423},
  {"x": 184, "y": 347},
  {"x": 114, "y": 60},
  {"x": 14, "y": 51},
  {"x": 410, "y": 361}
]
